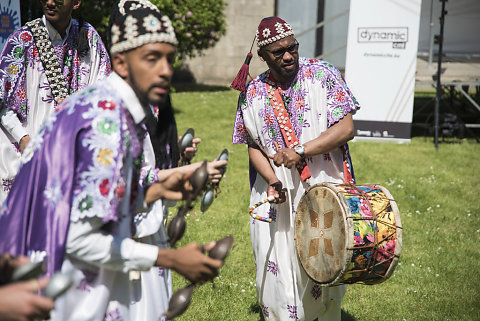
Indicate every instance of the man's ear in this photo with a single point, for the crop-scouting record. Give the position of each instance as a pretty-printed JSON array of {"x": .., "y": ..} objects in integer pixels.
[
  {"x": 76, "y": 4},
  {"x": 260, "y": 55},
  {"x": 120, "y": 64}
]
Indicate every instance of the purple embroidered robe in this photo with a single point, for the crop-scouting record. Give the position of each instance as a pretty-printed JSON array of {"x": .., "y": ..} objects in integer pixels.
[
  {"x": 25, "y": 90},
  {"x": 72, "y": 169}
]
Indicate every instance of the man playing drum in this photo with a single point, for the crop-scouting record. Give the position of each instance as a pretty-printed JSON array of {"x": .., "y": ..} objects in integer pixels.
[{"x": 296, "y": 119}]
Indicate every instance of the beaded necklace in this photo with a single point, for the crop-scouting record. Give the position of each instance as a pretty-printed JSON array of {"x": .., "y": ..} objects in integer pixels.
[{"x": 274, "y": 95}]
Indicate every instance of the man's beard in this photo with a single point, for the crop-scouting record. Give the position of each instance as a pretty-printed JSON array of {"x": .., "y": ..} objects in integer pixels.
[
  {"x": 285, "y": 74},
  {"x": 143, "y": 96}
]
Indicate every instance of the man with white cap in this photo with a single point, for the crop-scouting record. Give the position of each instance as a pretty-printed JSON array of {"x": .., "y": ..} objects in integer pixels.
[
  {"x": 298, "y": 115},
  {"x": 79, "y": 181}
]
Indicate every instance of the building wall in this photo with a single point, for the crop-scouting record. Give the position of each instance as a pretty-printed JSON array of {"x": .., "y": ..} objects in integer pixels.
[
  {"x": 220, "y": 64},
  {"x": 301, "y": 15}
]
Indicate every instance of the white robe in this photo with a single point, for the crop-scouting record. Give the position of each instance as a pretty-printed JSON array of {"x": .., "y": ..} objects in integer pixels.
[
  {"x": 30, "y": 87},
  {"x": 284, "y": 290}
]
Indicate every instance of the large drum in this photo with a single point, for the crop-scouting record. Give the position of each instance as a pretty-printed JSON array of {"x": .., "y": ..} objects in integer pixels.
[{"x": 348, "y": 233}]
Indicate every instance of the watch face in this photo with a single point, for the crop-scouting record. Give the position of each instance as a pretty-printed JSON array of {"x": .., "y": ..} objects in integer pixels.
[{"x": 300, "y": 150}]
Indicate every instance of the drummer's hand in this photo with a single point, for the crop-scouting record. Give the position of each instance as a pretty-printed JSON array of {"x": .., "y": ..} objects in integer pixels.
[
  {"x": 275, "y": 190},
  {"x": 286, "y": 157}
]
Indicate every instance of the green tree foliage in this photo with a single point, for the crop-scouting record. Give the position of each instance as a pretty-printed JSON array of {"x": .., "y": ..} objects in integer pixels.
[{"x": 198, "y": 24}]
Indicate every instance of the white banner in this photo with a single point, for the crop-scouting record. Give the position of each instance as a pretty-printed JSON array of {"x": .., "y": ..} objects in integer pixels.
[
  {"x": 9, "y": 19},
  {"x": 380, "y": 65}
]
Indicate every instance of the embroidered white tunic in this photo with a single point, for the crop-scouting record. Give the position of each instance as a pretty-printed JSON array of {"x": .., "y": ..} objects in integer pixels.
[
  {"x": 25, "y": 90},
  {"x": 315, "y": 100}
]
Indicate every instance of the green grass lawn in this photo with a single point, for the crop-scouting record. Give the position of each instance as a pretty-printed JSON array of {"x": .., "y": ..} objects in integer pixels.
[{"x": 436, "y": 191}]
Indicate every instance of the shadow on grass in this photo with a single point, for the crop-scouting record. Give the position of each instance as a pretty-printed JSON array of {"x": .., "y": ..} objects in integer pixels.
[
  {"x": 255, "y": 308},
  {"x": 347, "y": 316}
]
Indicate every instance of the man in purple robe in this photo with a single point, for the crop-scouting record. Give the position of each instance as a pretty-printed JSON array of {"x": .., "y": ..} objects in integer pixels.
[{"x": 76, "y": 192}]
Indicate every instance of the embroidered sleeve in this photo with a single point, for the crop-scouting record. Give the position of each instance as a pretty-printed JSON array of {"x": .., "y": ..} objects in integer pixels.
[
  {"x": 13, "y": 62},
  {"x": 148, "y": 176},
  {"x": 99, "y": 59},
  {"x": 340, "y": 100},
  {"x": 240, "y": 135},
  {"x": 100, "y": 185}
]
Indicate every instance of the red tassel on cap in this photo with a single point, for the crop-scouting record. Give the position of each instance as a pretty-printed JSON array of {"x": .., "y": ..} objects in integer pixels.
[{"x": 241, "y": 78}]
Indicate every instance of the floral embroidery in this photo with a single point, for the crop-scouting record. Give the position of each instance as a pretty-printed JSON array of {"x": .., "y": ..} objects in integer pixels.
[
  {"x": 18, "y": 52},
  {"x": 7, "y": 184},
  {"x": 316, "y": 291},
  {"x": 265, "y": 311},
  {"x": 105, "y": 156},
  {"x": 330, "y": 83},
  {"x": 22, "y": 94},
  {"x": 292, "y": 309},
  {"x": 272, "y": 267},
  {"x": 272, "y": 213},
  {"x": 25, "y": 36},
  {"x": 269, "y": 119},
  {"x": 13, "y": 69},
  {"x": 85, "y": 203},
  {"x": 308, "y": 73},
  {"x": 151, "y": 23},
  {"x": 113, "y": 315},
  {"x": 104, "y": 187},
  {"x": 53, "y": 193},
  {"x": 266, "y": 32},
  {"x": 107, "y": 127},
  {"x": 339, "y": 96},
  {"x": 107, "y": 104},
  {"x": 337, "y": 112},
  {"x": 161, "y": 271}
]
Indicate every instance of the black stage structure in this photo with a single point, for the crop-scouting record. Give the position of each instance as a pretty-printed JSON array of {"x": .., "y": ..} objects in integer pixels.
[{"x": 460, "y": 114}]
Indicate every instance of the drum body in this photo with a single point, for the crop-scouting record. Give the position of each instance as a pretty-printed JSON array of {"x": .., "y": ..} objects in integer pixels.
[{"x": 348, "y": 233}]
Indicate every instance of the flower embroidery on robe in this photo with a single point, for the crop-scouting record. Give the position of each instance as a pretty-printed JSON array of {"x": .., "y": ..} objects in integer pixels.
[
  {"x": 113, "y": 315},
  {"x": 316, "y": 291},
  {"x": 272, "y": 213},
  {"x": 265, "y": 311},
  {"x": 7, "y": 184},
  {"x": 103, "y": 143},
  {"x": 161, "y": 271},
  {"x": 53, "y": 193},
  {"x": 292, "y": 309},
  {"x": 272, "y": 267}
]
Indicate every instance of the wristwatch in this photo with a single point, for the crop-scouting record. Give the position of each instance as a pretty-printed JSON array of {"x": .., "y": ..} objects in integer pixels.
[{"x": 300, "y": 150}]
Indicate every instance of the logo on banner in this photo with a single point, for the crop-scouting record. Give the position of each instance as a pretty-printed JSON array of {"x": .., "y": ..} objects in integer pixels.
[
  {"x": 398, "y": 36},
  {"x": 9, "y": 22}
]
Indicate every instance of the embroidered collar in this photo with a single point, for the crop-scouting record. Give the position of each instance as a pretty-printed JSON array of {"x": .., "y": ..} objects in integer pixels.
[
  {"x": 128, "y": 96},
  {"x": 53, "y": 34}
]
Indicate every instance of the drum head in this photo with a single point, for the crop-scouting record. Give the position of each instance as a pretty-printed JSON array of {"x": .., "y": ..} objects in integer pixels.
[{"x": 320, "y": 234}]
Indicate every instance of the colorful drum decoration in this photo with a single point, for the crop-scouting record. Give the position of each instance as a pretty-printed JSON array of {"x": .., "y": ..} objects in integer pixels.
[{"x": 348, "y": 233}]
